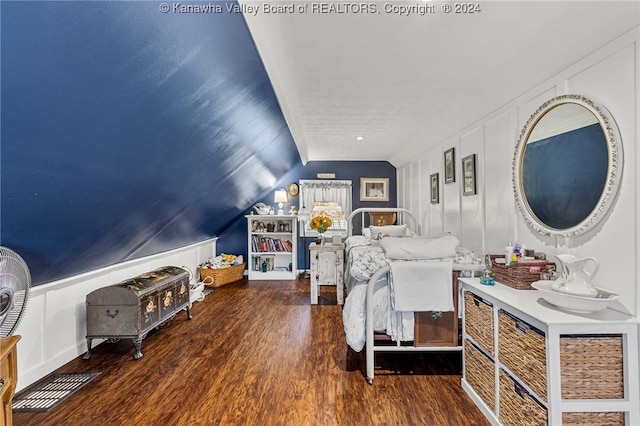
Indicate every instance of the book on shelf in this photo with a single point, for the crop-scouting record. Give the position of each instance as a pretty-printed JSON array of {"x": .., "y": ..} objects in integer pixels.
[
  {"x": 263, "y": 263},
  {"x": 268, "y": 244}
]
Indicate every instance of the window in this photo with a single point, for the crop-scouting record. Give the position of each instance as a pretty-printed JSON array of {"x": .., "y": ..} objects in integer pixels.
[{"x": 334, "y": 197}]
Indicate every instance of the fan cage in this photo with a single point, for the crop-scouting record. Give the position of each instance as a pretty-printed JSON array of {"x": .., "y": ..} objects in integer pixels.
[{"x": 15, "y": 281}]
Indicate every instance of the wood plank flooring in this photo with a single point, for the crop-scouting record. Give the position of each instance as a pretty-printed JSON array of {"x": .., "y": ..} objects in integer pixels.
[{"x": 257, "y": 353}]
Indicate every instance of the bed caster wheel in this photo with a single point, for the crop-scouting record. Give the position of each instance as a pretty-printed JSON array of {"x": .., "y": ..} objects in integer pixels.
[{"x": 369, "y": 381}]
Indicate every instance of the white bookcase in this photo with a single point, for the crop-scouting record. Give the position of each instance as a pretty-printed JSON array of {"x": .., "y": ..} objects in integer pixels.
[{"x": 272, "y": 247}]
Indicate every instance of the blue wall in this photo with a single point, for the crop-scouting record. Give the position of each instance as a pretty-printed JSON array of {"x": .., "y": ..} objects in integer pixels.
[
  {"x": 234, "y": 238},
  {"x": 564, "y": 175},
  {"x": 126, "y": 131}
]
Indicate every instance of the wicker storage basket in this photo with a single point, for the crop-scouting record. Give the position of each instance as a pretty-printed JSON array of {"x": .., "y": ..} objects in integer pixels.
[
  {"x": 593, "y": 418},
  {"x": 519, "y": 276},
  {"x": 478, "y": 321},
  {"x": 522, "y": 350},
  {"x": 591, "y": 367},
  {"x": 221, "y": 276},
  {"x": 517, "y": 407},
  {"x": 479, "y": 373}
]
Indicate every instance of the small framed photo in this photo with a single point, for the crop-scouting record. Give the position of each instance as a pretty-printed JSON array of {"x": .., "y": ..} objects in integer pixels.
[
  {"x": 469, "y": 174},
  {"x": 435, "y": 188},
  {"x": 450, "y": 165},
  {"x": 374, "y": 189}
]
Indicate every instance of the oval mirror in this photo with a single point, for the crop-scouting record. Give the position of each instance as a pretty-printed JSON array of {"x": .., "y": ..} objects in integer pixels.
[{"x": 567, "y": 166}]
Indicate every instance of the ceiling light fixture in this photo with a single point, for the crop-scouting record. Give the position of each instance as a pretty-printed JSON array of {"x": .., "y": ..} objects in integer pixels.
[{"x": 359, "y": 138}]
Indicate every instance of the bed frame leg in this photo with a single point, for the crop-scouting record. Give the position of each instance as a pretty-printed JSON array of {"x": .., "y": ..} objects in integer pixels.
[
  {"x": 370, "y": 362},
  {"x": 370, "y": 342}
]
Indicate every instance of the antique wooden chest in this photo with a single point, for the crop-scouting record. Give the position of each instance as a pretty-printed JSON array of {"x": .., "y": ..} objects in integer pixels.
[{"x": 132, "y": 308}]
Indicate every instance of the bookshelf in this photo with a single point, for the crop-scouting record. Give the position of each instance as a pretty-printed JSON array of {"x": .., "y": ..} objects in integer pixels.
[{"x": 272, "y": 247}]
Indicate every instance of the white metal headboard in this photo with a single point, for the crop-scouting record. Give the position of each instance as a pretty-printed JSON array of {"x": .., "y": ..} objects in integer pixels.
[{"x": 362, "y": 216}]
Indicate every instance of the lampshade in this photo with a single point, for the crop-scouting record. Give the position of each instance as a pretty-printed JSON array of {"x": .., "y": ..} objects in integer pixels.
[{"x": 280, "y": 197}]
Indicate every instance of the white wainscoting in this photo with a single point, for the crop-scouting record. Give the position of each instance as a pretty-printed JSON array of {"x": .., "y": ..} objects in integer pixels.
[
  {"x": 53, "y": 329},
  {"x": 486, "y": 222}
]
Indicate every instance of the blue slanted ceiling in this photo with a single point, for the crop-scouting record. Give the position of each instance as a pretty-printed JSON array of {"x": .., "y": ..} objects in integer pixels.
[{"x": 127, "y": 131}]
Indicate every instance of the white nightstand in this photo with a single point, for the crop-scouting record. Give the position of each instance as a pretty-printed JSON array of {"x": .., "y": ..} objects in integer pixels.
[{"x": 327, "y": 262}]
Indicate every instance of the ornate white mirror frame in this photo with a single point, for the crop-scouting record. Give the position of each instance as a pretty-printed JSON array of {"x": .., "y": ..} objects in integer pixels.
[{"x": 529, "y": 177}]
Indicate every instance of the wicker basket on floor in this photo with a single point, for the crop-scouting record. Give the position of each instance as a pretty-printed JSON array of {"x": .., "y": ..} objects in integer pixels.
[{"x": 221, "y": 276}]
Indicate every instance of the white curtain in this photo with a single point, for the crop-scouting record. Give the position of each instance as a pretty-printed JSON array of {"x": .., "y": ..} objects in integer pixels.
[{"x": 338, "y": 191}]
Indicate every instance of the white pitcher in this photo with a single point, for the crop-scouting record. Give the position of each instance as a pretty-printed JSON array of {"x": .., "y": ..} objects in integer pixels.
[{"x": 576, "y": 275}]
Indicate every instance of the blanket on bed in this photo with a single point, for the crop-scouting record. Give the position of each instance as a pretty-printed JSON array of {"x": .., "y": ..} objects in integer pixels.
[
  {"x": 419, "y": 248},
  {"x": 420, "y": 286},
  {"x": 364, "y": 257}
]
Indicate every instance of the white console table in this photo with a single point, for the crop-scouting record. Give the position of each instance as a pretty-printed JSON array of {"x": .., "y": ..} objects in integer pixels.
[{"x": 552, "y": 400}]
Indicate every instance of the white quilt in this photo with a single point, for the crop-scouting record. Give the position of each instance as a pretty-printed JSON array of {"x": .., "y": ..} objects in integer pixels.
[
  {"x": 364, "y": 257},
  {"x": 354, "y": 313},
  {"x": 367, "y": 260}
]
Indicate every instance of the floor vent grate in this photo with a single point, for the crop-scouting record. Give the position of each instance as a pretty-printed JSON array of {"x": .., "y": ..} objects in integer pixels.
[{"x": 49, "y": 392}]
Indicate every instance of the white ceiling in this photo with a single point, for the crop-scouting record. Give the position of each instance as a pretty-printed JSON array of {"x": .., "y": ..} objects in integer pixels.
[{"x": 407, "y": 83}]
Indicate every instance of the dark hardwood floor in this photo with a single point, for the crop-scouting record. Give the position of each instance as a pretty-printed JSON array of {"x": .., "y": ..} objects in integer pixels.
[{"x": 257, "y": 353}]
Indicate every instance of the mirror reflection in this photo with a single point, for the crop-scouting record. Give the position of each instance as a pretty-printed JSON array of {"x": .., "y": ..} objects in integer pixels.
[
  {"x": 564, "y": 168},
  {"x": 567, "y": 166}
]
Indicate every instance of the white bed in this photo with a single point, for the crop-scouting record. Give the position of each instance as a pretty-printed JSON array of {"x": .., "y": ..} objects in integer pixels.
[{"x": 368, "y": 311}]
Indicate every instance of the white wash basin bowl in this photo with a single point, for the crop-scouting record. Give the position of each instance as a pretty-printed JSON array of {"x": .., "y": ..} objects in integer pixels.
[{"x": 573, "y": 302}]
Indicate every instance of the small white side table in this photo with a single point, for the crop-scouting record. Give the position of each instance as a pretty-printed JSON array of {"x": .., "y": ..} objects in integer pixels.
[{"x": 327, "y": 262}]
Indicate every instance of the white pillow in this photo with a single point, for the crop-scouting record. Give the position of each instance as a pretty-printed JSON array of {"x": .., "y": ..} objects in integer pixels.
[
  {"x": 412, "y": 234},
  {"x": 366, "y": 232},
  {"x": 419, "y": 248},
  {"x": 389, "y": 231}
]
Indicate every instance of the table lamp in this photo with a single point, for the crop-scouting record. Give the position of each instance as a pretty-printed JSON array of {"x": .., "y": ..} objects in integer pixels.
[{"x": 280, "y": 197}]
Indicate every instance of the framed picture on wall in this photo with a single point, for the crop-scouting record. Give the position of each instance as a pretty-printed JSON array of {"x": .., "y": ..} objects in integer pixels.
[
  {"x": 435, "y": 188},
  {"x": 374, "y": 189},
  {"x": 450, "y": 165},
  {"x": 293, "y": 189},
  {"x": 469, "y": 174}
]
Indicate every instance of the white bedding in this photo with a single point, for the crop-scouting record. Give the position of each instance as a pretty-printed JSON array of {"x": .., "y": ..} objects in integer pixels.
[
  {"x": 419, "y": 248},
  {"x": 354, "y": 312},
  {"x": 364, "y": 257},
  {"x": 420, "y": 286},
  {"x": 367, "y": 260}
]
